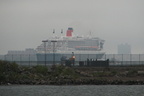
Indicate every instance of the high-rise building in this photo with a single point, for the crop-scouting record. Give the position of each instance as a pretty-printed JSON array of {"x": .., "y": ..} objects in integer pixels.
[{"x": 124, "y": 49}]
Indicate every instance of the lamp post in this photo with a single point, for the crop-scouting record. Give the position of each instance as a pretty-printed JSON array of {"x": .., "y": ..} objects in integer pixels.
[
  {"x": 44, "y": 41},
  {"x": 53, "y": 41}
]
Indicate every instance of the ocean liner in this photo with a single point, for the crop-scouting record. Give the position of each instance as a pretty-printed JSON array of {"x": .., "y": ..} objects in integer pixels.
[{"x": 55, "y": 48}]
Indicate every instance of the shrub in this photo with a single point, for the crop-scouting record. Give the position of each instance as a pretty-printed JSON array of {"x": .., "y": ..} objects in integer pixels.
[
  {"x": 8, "y": 71},
  {"x": 132, "y": 73},
  {"x": 6, "y": 66},
  {"x": 114, "y": 73},
  {"x": 40, "y": 69},
  {"x": 57, "y": 70}
]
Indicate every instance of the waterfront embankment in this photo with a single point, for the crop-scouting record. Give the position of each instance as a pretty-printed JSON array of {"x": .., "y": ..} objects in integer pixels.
[{"x": 11, "y": 73}]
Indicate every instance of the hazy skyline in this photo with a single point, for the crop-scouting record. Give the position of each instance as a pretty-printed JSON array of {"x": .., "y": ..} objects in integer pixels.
[{"x": 25, "y": 23}]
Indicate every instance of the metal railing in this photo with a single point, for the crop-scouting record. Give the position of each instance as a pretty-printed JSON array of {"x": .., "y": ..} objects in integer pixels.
[{"x": 114, "y": 59}]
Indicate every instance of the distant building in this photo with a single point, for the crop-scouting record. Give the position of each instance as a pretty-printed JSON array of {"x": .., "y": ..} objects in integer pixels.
[
  {"x": 124, "y": 49},
  {"x": 21, "y": 56},
  {"x": 22, "y": 52}
]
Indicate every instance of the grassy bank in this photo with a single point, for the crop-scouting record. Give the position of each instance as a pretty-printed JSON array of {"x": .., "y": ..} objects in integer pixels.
[{"x": 11, "y": 73}]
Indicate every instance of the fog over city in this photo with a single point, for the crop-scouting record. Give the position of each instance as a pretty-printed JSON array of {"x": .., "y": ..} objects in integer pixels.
[{"x": 25, "y": 23}]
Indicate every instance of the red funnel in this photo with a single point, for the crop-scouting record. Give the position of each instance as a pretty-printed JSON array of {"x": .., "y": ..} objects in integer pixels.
[{"x": 69, "y": 32}]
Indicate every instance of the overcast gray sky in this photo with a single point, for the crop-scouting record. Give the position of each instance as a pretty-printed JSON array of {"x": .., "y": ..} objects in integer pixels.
[{"x": 25, "y": 23}]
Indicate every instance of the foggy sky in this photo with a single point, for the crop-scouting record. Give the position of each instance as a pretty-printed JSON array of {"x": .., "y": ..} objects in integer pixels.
[{"x": 25, "y": 23}]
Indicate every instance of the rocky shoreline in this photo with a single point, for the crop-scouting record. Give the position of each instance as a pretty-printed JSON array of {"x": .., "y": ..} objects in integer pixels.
[
  {"x": 76, "y": 82},
  {"x": 11, "y": 73}
]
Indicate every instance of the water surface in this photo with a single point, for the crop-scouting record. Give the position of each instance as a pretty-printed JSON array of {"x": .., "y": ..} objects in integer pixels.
[{"x": 80, "y": 90}]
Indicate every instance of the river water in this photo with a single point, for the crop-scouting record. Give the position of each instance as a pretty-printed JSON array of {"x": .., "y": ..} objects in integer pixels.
[{"x": 79, "y": 90}]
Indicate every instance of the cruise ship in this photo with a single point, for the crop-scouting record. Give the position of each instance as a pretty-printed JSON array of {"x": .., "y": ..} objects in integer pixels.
[{"x": 55, "y": 48}]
